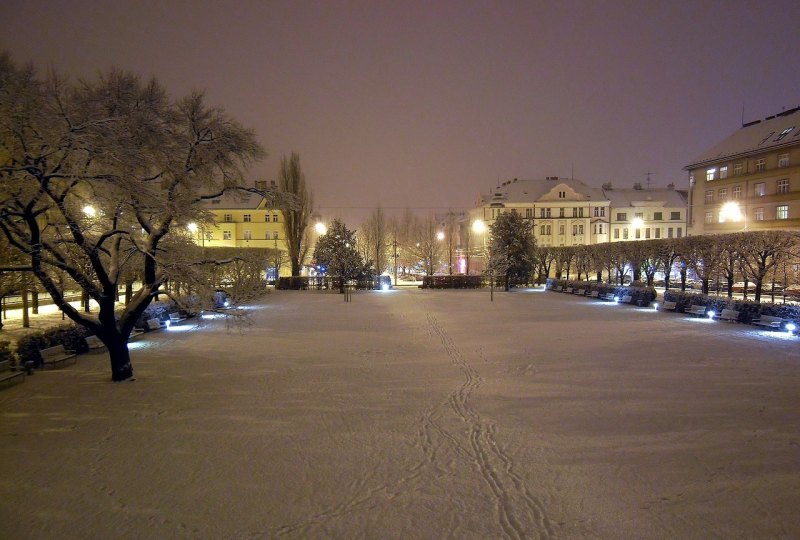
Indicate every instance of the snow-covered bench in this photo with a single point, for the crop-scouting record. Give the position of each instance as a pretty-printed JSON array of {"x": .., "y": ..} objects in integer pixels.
[
  {"x": 57, "y": 354},
  {"x": 155, "y": 324},
  {"x": 175, "y": 318},
  {"x": 697, "y": 311},
  {"x": 594, "y": 294},
  {"x": 568, "y": 290},
  {"x": 93, "y": 342},
  {"x": 626, "y": 299},
  {"x": 768, "y": 321},
  {"x": 607, "y": 296},
  {"x": 728, "y": 315},
  {"x": 581, "y": 292},
  {"x": 668, "y": 306}
]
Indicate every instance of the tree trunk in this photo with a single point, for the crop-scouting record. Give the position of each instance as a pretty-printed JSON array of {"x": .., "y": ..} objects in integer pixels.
[
  {"x": 26, "y": 322},
  {"x": 128, "y": 292},
  {"x": 35, "y": 302},
  {"x": 121, "y": 368}
]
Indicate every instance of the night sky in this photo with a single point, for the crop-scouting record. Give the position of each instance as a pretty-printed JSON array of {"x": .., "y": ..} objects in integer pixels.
[{"x": 427, "y": 104}]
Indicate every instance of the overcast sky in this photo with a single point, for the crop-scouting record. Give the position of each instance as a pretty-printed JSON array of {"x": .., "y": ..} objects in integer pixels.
[{"x": 427, "y": 104}]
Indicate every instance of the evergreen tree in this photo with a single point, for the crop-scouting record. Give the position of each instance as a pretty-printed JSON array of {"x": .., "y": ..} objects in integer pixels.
[
  {"x": 511, "y": 249},
  {"x": 337, "y": 254}
]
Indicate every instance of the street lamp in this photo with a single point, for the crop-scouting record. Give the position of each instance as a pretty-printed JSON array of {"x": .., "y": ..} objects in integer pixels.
[
  {"x": 320, "y": 228},
  {"x": 89, "y": 210},
  {"x": 637, "y": 223}
]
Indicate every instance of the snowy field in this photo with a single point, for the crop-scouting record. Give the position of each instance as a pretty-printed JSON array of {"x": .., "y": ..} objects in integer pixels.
[{"x": 415, "y": 414}]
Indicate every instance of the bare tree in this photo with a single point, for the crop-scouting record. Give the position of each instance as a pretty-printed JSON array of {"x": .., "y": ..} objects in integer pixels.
[
  {"x": 106, "y": 174},
  {"x": 762, "y": 251},
  {"x": 296, "y": 205},
  {"x": 374, "y": 239},
  {"x": 427, "y": 247}
]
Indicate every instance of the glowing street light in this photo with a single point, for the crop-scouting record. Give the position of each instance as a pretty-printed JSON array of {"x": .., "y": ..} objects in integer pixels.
[
  {"x": 730, "y": 212},
  {"x": 89, "y": 210},
  {"x": 637, "y": 223},
  {"x": 320, "y": 228},
  {"x": 478, "y": 226},
  {"x": 440, "y": 236},
  {"x": 192, "y": 227}
]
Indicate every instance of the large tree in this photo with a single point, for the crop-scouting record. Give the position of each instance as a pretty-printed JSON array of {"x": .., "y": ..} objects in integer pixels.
[
  {"x": 511, "y": 248},
  {"x": 337, "y": 254},
  {"x": 296, "y": 205},
  {"x": 102, "y": 176}
]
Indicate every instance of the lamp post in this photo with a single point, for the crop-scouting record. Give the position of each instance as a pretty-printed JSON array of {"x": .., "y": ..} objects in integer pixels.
[{"x": 479, "y": 226}]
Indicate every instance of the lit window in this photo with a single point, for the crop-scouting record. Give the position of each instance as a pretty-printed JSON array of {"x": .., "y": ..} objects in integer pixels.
[
  {"x": 658, "y": 216},
  {"x": 226, "y": 235},
  {"x": 758, "y": 214},
  {"x": 723, "y": 194},
  {"x": 737, "y": 169},
  {"x": 761, "y": 164},
  {"x": 227, "y": 218},
  {"x": 723, "y": 172},
  {"x": 760, "y": 189},
  {"x": 709, "y": 195},
  {"x": 709, "y": 217},
  {"x": 783, "y": 160},
  {"x": 248, "y": 235},
  {"x": 622, "y": 216},
  {"x": 710, "y": 174},
  {"x": 247, "y": 218},
  {"x": 737, "y": 192},
  {"x": 783, "y": 185},
  {"x": 782, "y": 212}
]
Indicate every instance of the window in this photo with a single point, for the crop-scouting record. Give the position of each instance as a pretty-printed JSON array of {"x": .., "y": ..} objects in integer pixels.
[
  {"x": 529, "y": 213},
  {"x": 562, "y": 194},
  {"x": 782, "y": 212},
  {"x": 209, "y": 236},
  {"x": 675, "y": 215},
  {"x": 625, "y": 233},
  {"x": 247, "y": 218},
  {"x": 560, "y": 212},
  {"x": 574, "y": 212},
  {"x": 580, "y": 229},
  {"x": 669, "y": 232},
  {"x": 783, "y": 185},
  {"x": 616, "y": 234},
  {"x": 758, "y": 214},
  {"x": 574, "y": 230},
  {"x": 598, "y": 228},
  {"x": 679, "y": 232},
  {"x": 709, "y": 196},
  {"x": 639, "y": 215},
  {"x": 548, "y": 212},
  {"x": 723, "y": 194},
  {"x": 657, "y": 232},
  {"x": 709, "y": 217},
  {"x": 783, "y": 134},
  {"x": 638, "y": 233},
  {"x": 266, "y": 218},
  {"x": 761, "y": 164},
  {"x": 737, "y": 169},
  {"x": 274, "y": 218},
  {"x": 647, "y": 232},
  {"x": 248, "y": 235},
  {"x": 226, "y": 235},
  {"x": 561, "y": 229},
  {"x": 541, "y": 212},
  {"x": 723, "y": 172},
  {"x": 541, "y": 230},
  {"x": 621, "y": 216},
  {"x": 267, "y": 235},
  {"x": 227, "y": 218},
  {"x": 549, "y": 230},
  {"x": 783, "y": 160},
  {"x": 599, "y": 211},
  {"x": 658, "y": 216},
  {"x": 274, "y": 235},
  {"x": 760, "y": 189},
  {"x": 737, "y": 192},
  {"x": 710, "y": 174}
]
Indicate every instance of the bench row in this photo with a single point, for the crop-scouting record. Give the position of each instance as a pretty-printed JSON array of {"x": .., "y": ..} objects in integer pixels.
[{"x": 731, "y": 315}]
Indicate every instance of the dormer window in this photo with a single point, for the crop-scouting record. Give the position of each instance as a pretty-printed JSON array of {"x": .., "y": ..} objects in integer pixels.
[
  {"x": 783, "y": 134},
  {"x": 562, "y": 194}
]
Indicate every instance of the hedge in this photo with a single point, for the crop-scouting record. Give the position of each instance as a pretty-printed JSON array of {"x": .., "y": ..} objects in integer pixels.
[
  {"x": 748, "y": 310},
  {"x": 639, "y": 293}
]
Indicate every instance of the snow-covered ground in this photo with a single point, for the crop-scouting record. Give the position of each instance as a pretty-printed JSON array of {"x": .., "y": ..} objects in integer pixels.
[{"x": 415, "y": 414}]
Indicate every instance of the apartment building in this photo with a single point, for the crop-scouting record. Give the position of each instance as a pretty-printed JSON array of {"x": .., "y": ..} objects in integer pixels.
[{"x": 750, "y": 181}]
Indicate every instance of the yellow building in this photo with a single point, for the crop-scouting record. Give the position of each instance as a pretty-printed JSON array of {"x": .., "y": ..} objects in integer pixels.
[
  {"x": 244, "y": 220},
  {"x": 750, "y": 181}
]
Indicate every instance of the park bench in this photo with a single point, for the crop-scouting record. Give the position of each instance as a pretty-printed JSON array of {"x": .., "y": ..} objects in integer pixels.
[
  {"x": 175, "y": 318},
  {"x": 581, "y": 292},
  {"x": 668, "y": 306},
  {"x": 568, "y": 290},
  {"x": 57, "y": 354},
  {"x": 155, "y": 324},
  {"x": 768, "y": 321},
  {"x": 557, "y": 288},
  {"x": 595, "y": 294},
  {"x": 9, "y": 376},
  {"x": 728, "y": 315},
  {"x": 93, "y": 342},
  {"x": 697, "y": 311},
  {"x": 607, "y": 296},
  {"x": 627, "y": 299}
]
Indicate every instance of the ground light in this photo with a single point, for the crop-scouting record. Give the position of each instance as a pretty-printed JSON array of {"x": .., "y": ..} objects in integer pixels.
[
  {"x": 711, "y": 314},
  {"x": 791, "y": 327}
]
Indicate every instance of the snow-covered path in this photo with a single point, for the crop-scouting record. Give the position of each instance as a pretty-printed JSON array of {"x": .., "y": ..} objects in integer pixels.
[{"x": 415, "y": 414}]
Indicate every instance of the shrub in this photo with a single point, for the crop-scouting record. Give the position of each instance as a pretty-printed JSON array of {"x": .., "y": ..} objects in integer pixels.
[
  {"x": 28, "y": 348},
  {"x": 6, "y": 354},
  {"x": 452, "y": 282},
  {"x": 71, "y": 336},
  {"x": 748, "y": 310}
]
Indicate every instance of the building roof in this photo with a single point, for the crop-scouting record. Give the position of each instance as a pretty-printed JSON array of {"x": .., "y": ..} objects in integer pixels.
[
  {"x": 234, "y": 200},
  {"x": 659, "y": 197},
  {"x": 772, "y": 133},
  {"x": 530, "y": 191}
]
